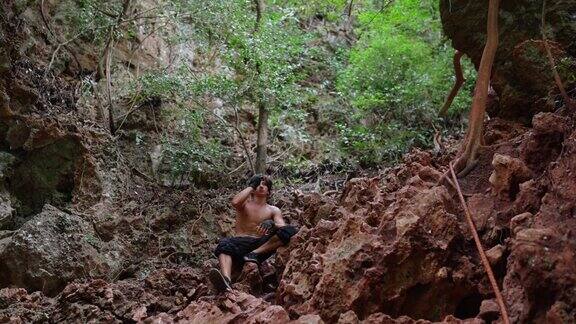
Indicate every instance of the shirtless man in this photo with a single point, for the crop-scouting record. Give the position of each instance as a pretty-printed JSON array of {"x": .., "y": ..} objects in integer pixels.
[{"x": 260, "y": 230}]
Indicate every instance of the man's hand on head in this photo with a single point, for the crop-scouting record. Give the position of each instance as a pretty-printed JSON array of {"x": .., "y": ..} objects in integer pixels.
[{"x": 255, "y": 181}]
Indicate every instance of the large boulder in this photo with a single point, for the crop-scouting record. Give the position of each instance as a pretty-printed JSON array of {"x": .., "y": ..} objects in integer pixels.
[
  {"x": 50, "y": 250},
  {"x": 522, "y": 75},
  {"x": 389, "y": 258}
]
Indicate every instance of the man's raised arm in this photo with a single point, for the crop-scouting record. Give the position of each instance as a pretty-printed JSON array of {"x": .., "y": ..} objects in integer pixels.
[{"x": 241, "y": 197}]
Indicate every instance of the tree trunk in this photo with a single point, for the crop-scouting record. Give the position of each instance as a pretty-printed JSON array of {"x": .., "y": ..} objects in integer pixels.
[
  {"x": 262, "y": 141},
  {"x": 259, "y": 6},
  {"x": 467, "y": 160}
]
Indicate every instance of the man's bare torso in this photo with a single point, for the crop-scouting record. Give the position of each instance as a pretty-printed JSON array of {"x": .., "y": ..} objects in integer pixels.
[{"x": 249, "y": 218}]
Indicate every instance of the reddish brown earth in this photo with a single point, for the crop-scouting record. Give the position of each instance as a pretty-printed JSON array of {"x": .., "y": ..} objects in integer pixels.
[{"x": 393, "y": 248}]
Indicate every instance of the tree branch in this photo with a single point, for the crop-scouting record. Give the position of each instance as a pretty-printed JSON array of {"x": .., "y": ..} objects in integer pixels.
[
  {"x": 467, "y": 159},
  {"x": 44, "y": 16},
  {"x": 569, "y": 102},
  {"x": 457, "y": 84}
]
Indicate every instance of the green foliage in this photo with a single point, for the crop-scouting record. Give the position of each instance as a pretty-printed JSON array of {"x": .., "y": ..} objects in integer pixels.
[
  {"x": 191, "y": 156},
  {"x": 199, "y": 161},
  {"x": 398, "y": 76},
  {"x": 330, "y": 10},
  {"x": 259, "y": 65},
  {"x": 329, "y": 98},
  {"x": 89, "y": 19},
  {"x": 264, "y": 61},
  {"x": 158, "y": 85}
]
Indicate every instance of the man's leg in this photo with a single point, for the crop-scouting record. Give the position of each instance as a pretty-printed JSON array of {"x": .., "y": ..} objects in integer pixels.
[
  {"x": 225, "y": 265},
  {"x": 270, "y": 246},
  {"x": 224, "y": 251},
  {"x": 281, "y": 237}
]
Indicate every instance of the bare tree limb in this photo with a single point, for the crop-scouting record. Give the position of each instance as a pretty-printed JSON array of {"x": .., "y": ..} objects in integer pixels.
[
  {"x": 457, "y": 84},
  {"x": 236, "y": 128},
  {"x": 108, "y": 62},
  {"x": 349, "y": 9},
  {"x": 44, "y": 16}
]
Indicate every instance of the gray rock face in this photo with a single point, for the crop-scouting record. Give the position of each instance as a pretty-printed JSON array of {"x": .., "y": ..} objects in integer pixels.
[
  {"x": 6, "y": 162},
  {"x": 5, "y": 211},
  {"x": 50, "y": 250}
]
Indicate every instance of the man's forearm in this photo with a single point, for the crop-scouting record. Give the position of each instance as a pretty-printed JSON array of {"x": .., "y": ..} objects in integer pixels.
[{"x": 241, "y": 197}]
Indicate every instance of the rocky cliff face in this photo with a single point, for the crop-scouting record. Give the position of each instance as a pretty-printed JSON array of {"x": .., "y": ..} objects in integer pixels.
[
  {"x": 394, "y": 252},
  {"x": 522, "y": 75}
]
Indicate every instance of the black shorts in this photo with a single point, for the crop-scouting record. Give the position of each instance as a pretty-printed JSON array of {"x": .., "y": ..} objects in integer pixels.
[{"x": 237, "y": 247}]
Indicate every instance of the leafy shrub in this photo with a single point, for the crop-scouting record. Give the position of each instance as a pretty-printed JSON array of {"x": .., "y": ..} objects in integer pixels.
[{"x": 398, "y": 76}]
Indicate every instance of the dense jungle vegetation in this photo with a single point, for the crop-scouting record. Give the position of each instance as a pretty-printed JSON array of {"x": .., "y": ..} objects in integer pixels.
[{"x": 345, "y": 84}]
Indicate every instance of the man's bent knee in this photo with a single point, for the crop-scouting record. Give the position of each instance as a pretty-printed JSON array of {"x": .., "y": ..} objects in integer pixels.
[{"x": 284, "y": 233}]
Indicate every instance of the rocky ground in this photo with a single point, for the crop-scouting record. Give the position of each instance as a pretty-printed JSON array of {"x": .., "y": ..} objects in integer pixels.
[{"x": 391, "y": 248}]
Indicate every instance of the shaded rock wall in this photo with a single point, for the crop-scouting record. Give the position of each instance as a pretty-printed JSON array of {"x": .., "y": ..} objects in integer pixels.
[
  {"x": 522, "y": 76},
  {"x": 50, "y": 160}
]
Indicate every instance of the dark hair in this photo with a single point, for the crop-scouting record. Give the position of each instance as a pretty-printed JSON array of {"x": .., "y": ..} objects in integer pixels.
[{"x": 267, "y": 180}]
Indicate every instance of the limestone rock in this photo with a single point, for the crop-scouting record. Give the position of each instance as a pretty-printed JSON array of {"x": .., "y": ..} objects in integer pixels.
[
  {"x": 234, "y": 306},
  {"x": 489, "y": 310},
  {"x": 520, "y": 221},
  {"x": 350, "y": 265},
  {"x": 50, "y": 250},
  {"x": 495, "y": 254}
]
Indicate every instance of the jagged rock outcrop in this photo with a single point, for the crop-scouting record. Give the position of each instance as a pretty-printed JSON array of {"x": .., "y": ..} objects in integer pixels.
[
  {"x": 50, "y": 250},
  {"x": 543, "y": 258},
  {"x": 382, "y": 257},
  {"x": 390, "y": 246},
  {"x": 386, "y": 252},
  {"x": 522, "y": 75}
]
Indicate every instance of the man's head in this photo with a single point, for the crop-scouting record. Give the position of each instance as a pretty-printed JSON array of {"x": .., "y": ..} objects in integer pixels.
[{"x": 262, "y": 184}]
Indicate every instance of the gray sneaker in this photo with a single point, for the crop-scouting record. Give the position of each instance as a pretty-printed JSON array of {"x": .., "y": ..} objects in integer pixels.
[{"x": 220, "y": 281}]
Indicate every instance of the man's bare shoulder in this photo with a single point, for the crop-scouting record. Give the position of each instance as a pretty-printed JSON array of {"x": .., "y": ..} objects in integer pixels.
[{"x": 274, "y": 209}]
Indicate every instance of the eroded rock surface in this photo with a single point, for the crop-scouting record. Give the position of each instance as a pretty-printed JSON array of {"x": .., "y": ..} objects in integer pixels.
[
  {"x": 50, "y": 250},
  {"x": 393, "y": 265}
]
